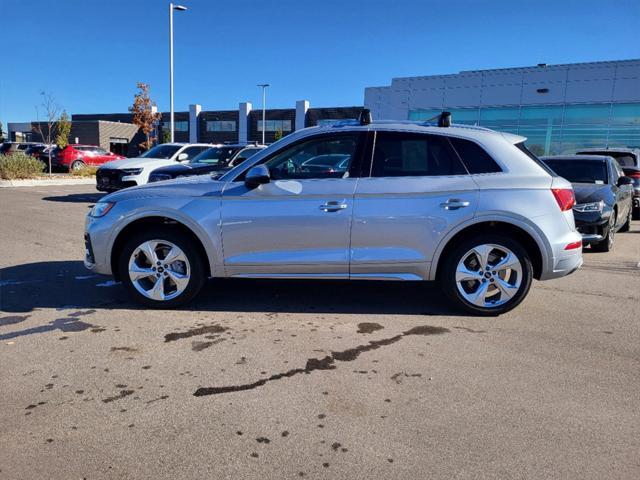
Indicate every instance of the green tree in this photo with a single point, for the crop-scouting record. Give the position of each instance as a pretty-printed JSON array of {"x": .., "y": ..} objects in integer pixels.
[
  {"x": 64, "y": 129},
  {"x": 166, "y": 136},
  {"x": 278, "y": 135}
]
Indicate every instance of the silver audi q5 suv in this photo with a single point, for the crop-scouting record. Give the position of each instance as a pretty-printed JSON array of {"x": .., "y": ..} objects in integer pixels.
[{"x": 469, "y": 207}]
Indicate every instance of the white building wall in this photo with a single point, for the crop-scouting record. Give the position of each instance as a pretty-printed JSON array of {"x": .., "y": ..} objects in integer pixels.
[{"x": 615, "y": 81}]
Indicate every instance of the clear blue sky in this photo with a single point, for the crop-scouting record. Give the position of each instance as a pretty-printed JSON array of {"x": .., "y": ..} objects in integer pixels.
[{"x": 89, "y": 54}]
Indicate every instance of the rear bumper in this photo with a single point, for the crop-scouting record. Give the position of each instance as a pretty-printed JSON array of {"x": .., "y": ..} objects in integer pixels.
[{"x": 564, "y": 265}]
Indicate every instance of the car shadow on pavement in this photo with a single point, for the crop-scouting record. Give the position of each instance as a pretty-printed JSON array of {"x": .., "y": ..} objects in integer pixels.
[
  {"x": 67, "y": 284},
  {"x": 76, "y": 198}
]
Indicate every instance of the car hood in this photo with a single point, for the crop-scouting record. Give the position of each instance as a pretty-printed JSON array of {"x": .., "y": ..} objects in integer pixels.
[
  {"x": 590, "y": 192},
  {"x": 197, "y": 186},
  {"x": 138, "y": 163}
]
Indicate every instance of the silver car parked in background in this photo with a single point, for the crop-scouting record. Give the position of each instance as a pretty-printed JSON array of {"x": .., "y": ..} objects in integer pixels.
[{"x": 467, "y": 206}]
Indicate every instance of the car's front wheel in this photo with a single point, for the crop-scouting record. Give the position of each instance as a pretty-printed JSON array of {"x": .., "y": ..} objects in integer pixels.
[
  {"x": 487, "y": 275},
  {"x": 161, "y": 268}
]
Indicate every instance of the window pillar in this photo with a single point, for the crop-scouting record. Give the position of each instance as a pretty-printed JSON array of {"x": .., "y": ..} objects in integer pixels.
[{"x": 301, "y": 114}]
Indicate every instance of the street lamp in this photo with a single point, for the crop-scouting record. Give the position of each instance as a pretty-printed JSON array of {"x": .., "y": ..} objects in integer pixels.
[
  {"x": 264, "y": 106},
  {"x": 180, "y": 8}
]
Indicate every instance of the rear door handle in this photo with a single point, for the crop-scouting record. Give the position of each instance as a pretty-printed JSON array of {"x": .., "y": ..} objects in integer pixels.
[
  {"x": 333, "y": 206},
  {"x": 454, "y": 204}
]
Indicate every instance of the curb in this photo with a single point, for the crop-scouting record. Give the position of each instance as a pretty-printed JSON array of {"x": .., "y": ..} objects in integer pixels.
[{"x": 47, "y": 182}]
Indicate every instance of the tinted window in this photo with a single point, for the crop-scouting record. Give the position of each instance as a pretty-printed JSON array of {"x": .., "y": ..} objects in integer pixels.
[
  {"x": 161, "y": 151},
  {"x": 528, "y": 153},
  {"x": 623, "y": 158},
  {"x": 413, "y": 155},
  {"x": 293, "y": 161},
  {"x": 580, "y": 171},
  {"x": 214, "y": 156},
  {"x": 193, "y": 151},
  {"x": 244, "y": 154},
  {"x": 474, "y": 157}
]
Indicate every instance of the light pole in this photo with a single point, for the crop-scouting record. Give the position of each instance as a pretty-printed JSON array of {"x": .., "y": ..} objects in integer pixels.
[
  {"x": 180, "y": 8},
  {"x": 264, "y": 108}
]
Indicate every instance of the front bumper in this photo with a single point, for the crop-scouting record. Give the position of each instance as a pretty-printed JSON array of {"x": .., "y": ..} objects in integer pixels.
[
  {"x": 111, "y": 179},
  {"x": 593, "y": 226}
]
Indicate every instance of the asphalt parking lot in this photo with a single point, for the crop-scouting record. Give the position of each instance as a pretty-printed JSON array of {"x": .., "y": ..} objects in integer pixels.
[{"x": 280, "y": 379}]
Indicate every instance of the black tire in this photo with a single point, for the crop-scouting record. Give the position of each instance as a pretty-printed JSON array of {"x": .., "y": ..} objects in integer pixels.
[
  {"x": 76, "y": 165},
  {"x": 627, "y": 225},
  {"x": 186, "y": 244},
  {"x": 606, "y": 245},
  {"x": 636, "y": 213},
  {"x": 447, "y": 274}
]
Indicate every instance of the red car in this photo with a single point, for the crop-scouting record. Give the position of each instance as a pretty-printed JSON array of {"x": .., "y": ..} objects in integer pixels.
[{"x": 73, "y": 157}]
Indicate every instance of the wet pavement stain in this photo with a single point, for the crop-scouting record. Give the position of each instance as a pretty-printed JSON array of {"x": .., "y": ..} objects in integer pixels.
[
  {"x": 121, "y": 395},
  {"x": 326, "y": 363},
  {"x": 123, "y": 349},
  {"x": 470, "y": 330},
  {"x": 80, "y": 313},
  {"x": 163, "y": 397},
  {"x": 12, "y": 319},
  {"x": 397, "y": 377},
  {"x": 199, "y": 346},
  {"x": 264, "y": 440},
  {"x": 208, "y": 329},
  {"x": 367, "y": 327}
]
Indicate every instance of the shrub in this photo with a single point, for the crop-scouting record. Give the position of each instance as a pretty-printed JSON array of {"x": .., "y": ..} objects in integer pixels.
[
  {"x": 18, "y": 165},
  {"x": 85, "y": 171}
]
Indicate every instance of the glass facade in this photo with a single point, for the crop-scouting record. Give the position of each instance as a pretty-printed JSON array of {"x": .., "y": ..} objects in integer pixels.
[
  {"x": 555, "y": 129},
  {"x": 221, "y": 126},
  {"x": 275, "y": 125}
]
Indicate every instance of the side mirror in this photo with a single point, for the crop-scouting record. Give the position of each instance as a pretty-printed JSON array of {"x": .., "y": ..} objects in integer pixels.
[
  {"x": 625, "y": 181},
  {"x": 256, "y": 176},
  {"x": 182, "y": 157}
]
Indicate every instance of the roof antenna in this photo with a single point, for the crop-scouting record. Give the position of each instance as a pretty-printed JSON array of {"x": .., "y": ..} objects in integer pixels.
[
  {"x": 365, "y": 117},
  {"x": 444, "y": 119}
]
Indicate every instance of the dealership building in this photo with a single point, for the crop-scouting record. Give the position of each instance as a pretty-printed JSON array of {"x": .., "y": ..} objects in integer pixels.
[{"x": 559, "y": 108}]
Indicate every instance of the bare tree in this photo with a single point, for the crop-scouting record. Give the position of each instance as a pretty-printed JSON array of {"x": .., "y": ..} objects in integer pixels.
[{"x": 46, "y": 129}]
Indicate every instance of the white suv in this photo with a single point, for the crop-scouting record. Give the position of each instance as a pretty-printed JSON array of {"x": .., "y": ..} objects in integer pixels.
[{"x": 130, "y": 172}]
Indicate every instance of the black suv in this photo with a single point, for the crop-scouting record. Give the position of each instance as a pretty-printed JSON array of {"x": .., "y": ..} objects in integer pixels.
[{"x": 218, "y": 159}]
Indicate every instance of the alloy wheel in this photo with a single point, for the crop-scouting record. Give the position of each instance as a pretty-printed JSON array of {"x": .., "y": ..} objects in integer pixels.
[
  {"x": 159, "y": 270},
  {"x": 489, "y": 275}
]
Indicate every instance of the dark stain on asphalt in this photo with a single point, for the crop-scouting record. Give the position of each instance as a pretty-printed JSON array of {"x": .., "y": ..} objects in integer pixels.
[
  {"x": 367, "y": 327},
  {"x": 199, "y": 346},
  {"x": 397, "y": 377},
  {"x": 146, "y": 367},
  {"x": 207, "y": 329},
  {"x": 285, "y": 433},
  {"x": 123, "y": 349},
  {"x": 608, "y": 332},
  {"x": 98, "y": 330},
  {"x": 470, "y": 330},
  {"x": 80, "y": 313},
  {"x": 163, "y": 397},
  {"x": 264, "y": 440},
  {"x": 326, "y": 363},
  {"x": 13, "y": 319},
  {"x": 121, "y": 395}
]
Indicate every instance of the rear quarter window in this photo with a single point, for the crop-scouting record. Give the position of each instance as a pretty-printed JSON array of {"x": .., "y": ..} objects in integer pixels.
[{"x": 474, "y": 157}]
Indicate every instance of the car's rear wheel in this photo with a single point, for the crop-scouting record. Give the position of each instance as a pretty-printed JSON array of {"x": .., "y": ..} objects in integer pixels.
[
  {"x": 161, "y": 268},
  {"x": 77, "y": 165},
  {"x": 487, "y": 275},
  {"x": 606, "y": 245}
]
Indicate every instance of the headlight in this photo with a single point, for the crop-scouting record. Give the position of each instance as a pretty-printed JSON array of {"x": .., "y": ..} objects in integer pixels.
[
  {"x": 589, "y": 207},
  {"x": 100, "y": 209},
  {"x": 132, "y": 171}
]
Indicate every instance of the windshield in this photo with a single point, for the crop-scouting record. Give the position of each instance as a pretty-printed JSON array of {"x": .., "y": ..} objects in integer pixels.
[
  {"x": 580, "y": 171},
  {"x": 214, "y": 156},
  {"x": 624, "y": 159},
  {"x": 161, "y": 151}
]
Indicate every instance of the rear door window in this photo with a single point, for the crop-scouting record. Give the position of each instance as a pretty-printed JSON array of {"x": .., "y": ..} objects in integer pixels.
[
  {"x": 474, "y": 156},
  {"x": 400, "y": 154}
]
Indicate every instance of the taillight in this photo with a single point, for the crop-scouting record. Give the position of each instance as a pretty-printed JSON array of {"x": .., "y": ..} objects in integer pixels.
[
  {"x": 565, "y": 198},
  {"x": 574, "y": 245},
  {"x": 634, "y": 175}
]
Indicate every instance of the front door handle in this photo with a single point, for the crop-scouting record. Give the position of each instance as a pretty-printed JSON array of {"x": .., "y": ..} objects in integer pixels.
[
  {"x": 454, "y": 204},
  {"x": 333, "y": 206}
]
